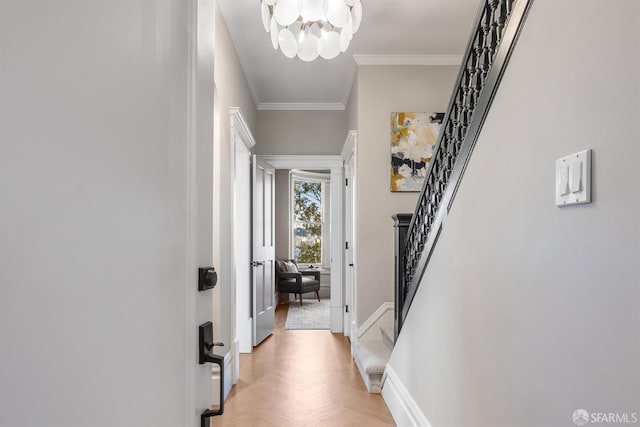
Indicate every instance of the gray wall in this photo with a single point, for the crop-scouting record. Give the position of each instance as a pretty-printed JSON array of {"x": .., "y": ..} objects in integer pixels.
[
  {"x": 283, "y": 201},
  {"x": 301, "y": 132},
  {"x": 233, "y": 91},
  {"x": 382, "y": 90},
  {"x": 527, "y": 311},
  {"x": 352, "y": 107},
  {"x": 230, "y": 80}
]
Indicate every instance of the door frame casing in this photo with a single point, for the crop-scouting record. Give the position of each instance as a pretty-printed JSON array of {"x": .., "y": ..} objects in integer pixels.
[
  {"x": 242, "y": 140},
  {"x": 349, "y": 155},
  {"x": 335, "y": 164}
]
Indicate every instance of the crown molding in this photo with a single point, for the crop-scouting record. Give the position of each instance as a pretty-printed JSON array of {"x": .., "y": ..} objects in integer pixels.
[
  {"x": 304, "y": 106},
  {"x": 408, "y": 59}
]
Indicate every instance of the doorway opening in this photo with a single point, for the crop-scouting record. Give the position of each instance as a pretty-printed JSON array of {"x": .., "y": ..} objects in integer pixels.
[{"x": 319, "y": 244}]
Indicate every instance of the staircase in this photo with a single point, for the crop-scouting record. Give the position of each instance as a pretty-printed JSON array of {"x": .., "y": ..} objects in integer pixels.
[
  {"x": 496, "y": 31},
  {"x": 371, "y": 347}
]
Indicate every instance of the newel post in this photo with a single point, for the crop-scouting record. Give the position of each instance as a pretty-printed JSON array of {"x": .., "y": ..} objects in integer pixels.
[{"x": 401, "y": 223}]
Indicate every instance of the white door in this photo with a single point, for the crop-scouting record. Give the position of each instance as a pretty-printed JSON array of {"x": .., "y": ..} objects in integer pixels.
[{"x": 263, "y": 289}]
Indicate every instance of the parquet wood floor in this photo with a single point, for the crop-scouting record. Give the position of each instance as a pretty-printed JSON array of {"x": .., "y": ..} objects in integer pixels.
[{"x": 301, "y": 378}]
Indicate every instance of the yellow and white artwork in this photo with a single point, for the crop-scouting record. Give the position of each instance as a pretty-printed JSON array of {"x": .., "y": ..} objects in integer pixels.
[{"x": 413, "y": 139}]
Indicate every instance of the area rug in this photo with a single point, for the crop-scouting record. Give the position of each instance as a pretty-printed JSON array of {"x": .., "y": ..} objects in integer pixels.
[{"x": 311, "y": 315}]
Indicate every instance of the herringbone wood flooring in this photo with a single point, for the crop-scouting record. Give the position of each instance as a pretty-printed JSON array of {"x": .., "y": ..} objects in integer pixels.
[{"x": 301, "y": 378}]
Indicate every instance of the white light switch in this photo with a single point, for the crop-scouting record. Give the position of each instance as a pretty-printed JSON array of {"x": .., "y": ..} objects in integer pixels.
[
  {"x": 573, "y": 179},
  {"x": 563, "y": 180},
  {"x": 575, "y": 172}
]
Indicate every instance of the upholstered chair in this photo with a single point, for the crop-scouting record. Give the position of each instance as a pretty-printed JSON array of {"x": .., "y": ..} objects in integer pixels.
[{"x": 290, "y": 279}]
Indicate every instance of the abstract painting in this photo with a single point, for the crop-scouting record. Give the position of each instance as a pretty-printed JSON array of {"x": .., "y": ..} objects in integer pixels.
[{"x": 413, "y": 139}]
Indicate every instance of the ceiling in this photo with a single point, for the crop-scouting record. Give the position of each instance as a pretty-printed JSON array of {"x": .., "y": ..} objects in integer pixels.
[{"x": 411, "y": 32}]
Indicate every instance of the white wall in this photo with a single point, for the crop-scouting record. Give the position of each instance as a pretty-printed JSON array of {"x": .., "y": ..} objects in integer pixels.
[
  {"x": 528, "y": 311},
  {"x": 382, "y": 90},
  {"x": 301, "y": 132},
  {"x": 98, "y": 221}
]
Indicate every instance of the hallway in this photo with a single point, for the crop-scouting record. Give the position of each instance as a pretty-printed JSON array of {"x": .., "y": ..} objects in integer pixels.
[{"x": 301, "y": 378}]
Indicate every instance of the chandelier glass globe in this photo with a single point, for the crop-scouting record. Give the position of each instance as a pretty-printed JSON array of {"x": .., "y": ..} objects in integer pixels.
[{"x": 311, "y": 28}]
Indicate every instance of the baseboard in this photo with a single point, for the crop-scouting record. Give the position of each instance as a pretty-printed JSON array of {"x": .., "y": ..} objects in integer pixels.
[
  {"x": 353, "y": 337},
  {"x": 347, "y": 322},
  {"x": 359, "y": 332},
  {"x": 404, "y": 410},
  {"x": 228, "y": 379},
  {"x": 235, "y": 363},
  {"x": 215, "y": 379},
  {"x": 336, "y": 319}
]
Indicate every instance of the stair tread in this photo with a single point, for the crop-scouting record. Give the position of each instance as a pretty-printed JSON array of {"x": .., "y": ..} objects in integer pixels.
[
  {"x": 373, "y": 356},
  {"x": 369, "y": 350}
]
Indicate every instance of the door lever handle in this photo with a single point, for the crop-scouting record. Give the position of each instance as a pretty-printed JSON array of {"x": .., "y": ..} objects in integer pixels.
[
  {"x": 257, "y": 263},
  {"x": 209, "y": 346}
]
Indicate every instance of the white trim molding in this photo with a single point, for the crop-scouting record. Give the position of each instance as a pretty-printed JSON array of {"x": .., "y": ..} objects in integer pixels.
[
  {"x": 386, "y": 306},
  {"x": 301, "y": 106},
  {"x": 239, "y": 125},
  {"x": 228, "y": 380},
  {"x": 404, "y": 410},
  {"x": 324, "y": 179},
  {"x": 337, "y": 243},
  {"x": 349, "y": 257},
  {"x": 242, "y": 142},
  {"x": 215, "y": 378},
  {"x": 408, "y": 59},
  {"x": 235, "y": 363},
  {"x": 349, "y": 145},
  {"x": 303, "y": 162},
  {"x": 302, "y": 174}
]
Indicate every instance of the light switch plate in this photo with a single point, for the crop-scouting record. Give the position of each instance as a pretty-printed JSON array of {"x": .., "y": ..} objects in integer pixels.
[{"x": 573, "y": 179}]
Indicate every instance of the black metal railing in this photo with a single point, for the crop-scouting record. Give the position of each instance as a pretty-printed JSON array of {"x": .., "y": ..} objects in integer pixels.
[
  {"x": 401, "y": 223},
  {"x": 497, "y": 27}
]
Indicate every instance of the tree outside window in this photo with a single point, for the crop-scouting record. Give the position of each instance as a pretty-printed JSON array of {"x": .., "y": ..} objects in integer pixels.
[{"x": 308, "y": 221}]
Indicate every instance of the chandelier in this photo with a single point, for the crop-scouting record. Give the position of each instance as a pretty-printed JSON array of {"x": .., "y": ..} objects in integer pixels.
[{"x": 311, "y": 28}]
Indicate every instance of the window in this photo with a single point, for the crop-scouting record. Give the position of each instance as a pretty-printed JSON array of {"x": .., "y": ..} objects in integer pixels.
[{"x": 309, "y": 228}]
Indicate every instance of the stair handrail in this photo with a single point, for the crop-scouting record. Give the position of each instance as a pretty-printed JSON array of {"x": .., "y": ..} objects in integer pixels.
[{"x": 498, "y": 25}]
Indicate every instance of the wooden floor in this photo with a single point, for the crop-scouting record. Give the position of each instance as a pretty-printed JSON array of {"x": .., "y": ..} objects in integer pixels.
[{"x": 301, "y": 378}]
